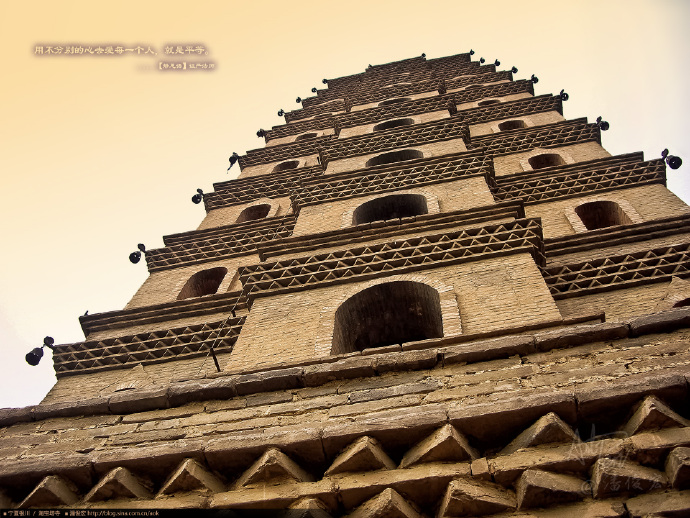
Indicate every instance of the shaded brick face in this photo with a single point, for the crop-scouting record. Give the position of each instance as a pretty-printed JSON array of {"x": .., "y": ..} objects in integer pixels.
[
  {"x": 443, "y": 197},
  {"x": 648, "y": 202},
  {"x": 299, "y": 326},
  {"x": 369, "y": 128},
  {"x": 229, "y": 215},
  {"x": 518, "y": 162},
  {"x": 429, "y": 150},
  {"x": 536, "y": 119},
  {"x": 165, "y": 286}
]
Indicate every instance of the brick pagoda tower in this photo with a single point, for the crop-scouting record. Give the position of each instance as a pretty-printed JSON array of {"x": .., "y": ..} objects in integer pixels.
[{"x": 428, "y": 294}]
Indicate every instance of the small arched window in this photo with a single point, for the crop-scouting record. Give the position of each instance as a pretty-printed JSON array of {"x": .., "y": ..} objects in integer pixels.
[
  {"x": 488, "y": 102},
  {"x": 254, "y": 212},
  {"x": 602, "y": 214},
  {"x": 394, "y": 156},
  {"x": 390, "y": 313},
  {"x": 394, "y": 101},
  {"x": 305, "y": 136},
  {"x": 285, "y": 166},
  {"x": 512, "y": 125},
  {"x": 202, "y": 283},
  {"x": 396, "y": 123},
  {"x": 546, "y": 160},
  {"x": 390, "y": 207}
]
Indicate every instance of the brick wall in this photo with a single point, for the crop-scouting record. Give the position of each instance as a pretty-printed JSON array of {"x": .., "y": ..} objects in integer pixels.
[
  {"x": 165, "y": 285},
  {"x": 517, "y": 162},
  {"x": 536, "y": 119},
  {"x": 461, "y": 194},
  {"x": 261, "y": 169},
  {"x": 649, "y": 202},
  {"x": 422, "y": 95},
  {"x": 430, "y": 150},
  {"x": 369, "y": 128},
  {"x": 491, "y": 294},
  {"x": 228, "y": 215}
]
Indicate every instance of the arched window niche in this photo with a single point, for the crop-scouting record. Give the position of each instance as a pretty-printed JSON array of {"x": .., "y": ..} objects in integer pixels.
[
  {"x": 390, "y": 207},
  {"x": 387, "y": 314},
  {"x": 601, "y": 214},
  {"x": 395, "y": 123},
  {"x": 254, "y": 212},
  {"x": 285, "y": 166},
  {"x": 545, "y": 160},
  {"x": 305, "y": 136},
  {"x": 512, "y": 125},
  {"x": 397, "y": 100},
  {"x": 394, "y": 156},
  {"x": 205, "y": 282}
]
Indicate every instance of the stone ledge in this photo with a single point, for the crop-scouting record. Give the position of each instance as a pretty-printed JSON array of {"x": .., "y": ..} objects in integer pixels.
[
  {"x": 660, "y": 322},
  {"x": 414, "y": 356}
]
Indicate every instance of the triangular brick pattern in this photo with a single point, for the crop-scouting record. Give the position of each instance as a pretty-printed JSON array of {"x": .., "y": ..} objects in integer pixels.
[
  {"x": 445, "y": 444},
  {"x": 189, "y": 476},
  {"x": 271, "y": 466},
  {"x": 619, "y": 271},
  {"x": 389, "y": 504},
  {"x": 553, "y": 135},
  {"x": 52, "y": 491},
  {"x": 414, "y": 135},
  {"x": 219, "y": 245},
  {"x": 653, "y": 414},
  {"x": 172, "y": 344},
  {"x": 468, "y": 497},
  {"x": 399, "y": 256},
  {"x": 613, "y": 476},
  {"x": 537, "y": 488},
  {"x": 386, "y": 179},
  {"x": 365, "y": 454},
  {"x": 119, "y": 483},
  {"x": 580, "y": 179},
  {"x": 525, "y": 479},
  {"x": 547, "y": 430}
]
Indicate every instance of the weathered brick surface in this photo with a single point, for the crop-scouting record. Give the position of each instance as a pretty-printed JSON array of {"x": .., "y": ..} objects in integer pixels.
[
  {"x": 517, "y": 162},
  {"x": 535, "y": 119},
  {"x": 463, "y": 194},
  {"x": 649, "y": 201},
  {"x": 165, "y": 286}
]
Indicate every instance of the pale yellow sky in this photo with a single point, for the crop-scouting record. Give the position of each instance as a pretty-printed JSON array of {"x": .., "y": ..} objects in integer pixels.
[{"x": 100, "y": 153}]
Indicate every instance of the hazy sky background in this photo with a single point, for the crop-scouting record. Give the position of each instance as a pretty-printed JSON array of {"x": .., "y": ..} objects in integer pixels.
[{"x": 101, "y": 153}]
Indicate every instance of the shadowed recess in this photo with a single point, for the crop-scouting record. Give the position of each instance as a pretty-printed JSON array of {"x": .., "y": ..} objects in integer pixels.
[{"x": 390, "y": 313}]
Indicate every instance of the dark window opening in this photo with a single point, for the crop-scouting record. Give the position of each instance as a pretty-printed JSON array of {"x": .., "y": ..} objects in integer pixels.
[
  {"x": 682, "y": 303},
  {"x": 202, "y": 283},
  {"x": 601, "y": 214},
  {"x": 393, "y": 124},
  {"x": 305, "y": 136},
  {"x": 390, "y": 207},
  {"x": 488, "y": 102},
  {"x": 254, "y": 212},
  {"x": 394, "y": 101},
  {"x": 545, "y": 160},
  {"x": 511, "y": 125},
  {"x": 394, "y": 156},
  {"x": 391, "y": 313},
  {"x": 284, "y": 166}
]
